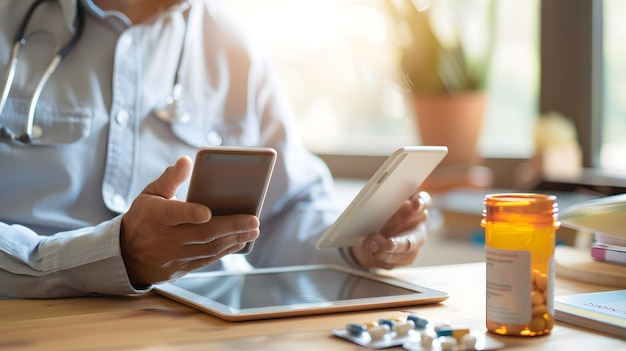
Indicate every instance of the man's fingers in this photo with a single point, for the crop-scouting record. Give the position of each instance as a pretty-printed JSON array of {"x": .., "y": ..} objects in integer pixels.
[
  {"x": 216, "y": 248},
  {"x": 172, "y": 212},
  {"x": 223, "y": 226},
  {"x": 167, "y": 184},
  {"x": 398, "y": 242},
  {"x": 425, "y": 200},
  {"x": 200, "y": 261},
  {"x": 405, "y": 243},
  {"x": 201, "y": 254}
]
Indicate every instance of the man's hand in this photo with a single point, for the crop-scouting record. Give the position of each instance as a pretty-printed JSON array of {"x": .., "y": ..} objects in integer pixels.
[
  {"x": 163, "y": 239},
  {"x": 398, "y": 242}
]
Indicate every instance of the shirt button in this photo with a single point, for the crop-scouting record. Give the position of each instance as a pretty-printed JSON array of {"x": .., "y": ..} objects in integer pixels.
[
  {"x": 126, "y": 41},
  {"x": 119, "y": 202},
  {"x": 122, "y": 117},
  {"x": 36, "y": 131},
  {"x": 214, "y": 138}
]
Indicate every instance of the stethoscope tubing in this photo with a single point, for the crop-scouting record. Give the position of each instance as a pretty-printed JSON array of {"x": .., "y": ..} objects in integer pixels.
[
  {"x": 11, "y": 75},
  {"x": 171, "y": 112},
  {"x": 20, "y": 40}
]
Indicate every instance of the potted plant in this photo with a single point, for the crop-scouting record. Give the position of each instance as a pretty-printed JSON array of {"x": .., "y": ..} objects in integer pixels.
[{"x": 446, "y": 81}]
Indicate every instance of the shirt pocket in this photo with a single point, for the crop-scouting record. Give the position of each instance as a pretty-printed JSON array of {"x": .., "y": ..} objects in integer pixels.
[
  {"x": 56, "y": 124},
  {"x": 214, "y": 131}
]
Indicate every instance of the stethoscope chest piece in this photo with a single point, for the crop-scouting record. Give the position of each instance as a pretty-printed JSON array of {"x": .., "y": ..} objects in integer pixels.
[{"x": 172, "y": 110}]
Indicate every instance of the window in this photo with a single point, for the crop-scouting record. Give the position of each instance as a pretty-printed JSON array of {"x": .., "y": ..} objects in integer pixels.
[
  {"x": 613, "y": 131},
  {"x": 583, "y": 75},
  {"x": 337, "y": 63}
]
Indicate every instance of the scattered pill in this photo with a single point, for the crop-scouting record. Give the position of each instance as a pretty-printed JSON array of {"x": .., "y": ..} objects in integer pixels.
[
  {"x": 459, "y": 333},
  {"x": 455, "y": 332},
  {"x": 388, "y": 322},
  {"x": 355, "y": 329},
  {"x": 402, "y": 329},
  {"x": 443, "y": 330},
  {"x": 370, "y": 324},
  {"x": 447, "y": 343},
  {"x": 376, "y": 333},
  {"x": 395, "y": 331},
  {"x": 468, "y": 342},
  {"x": 419, "y": 322},
  {"x": 426, "y": 340}
]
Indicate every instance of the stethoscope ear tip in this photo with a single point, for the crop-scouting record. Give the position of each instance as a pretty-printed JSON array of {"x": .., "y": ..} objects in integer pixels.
[
  {"x": 6, "y": 133},
  {"x": 24, "y": 138}
]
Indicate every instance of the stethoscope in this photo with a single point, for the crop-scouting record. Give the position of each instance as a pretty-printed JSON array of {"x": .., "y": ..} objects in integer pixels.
[
  {"x": 171, "y": 111},
  {"x": 20, "y": 40}
]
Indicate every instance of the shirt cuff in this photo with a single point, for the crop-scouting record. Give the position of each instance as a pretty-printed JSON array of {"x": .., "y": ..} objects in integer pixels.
[{"x": 90, "y": 262}]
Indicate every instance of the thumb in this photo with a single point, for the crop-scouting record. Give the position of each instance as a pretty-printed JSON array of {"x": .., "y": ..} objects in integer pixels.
[{"x": 173, "y": 176}]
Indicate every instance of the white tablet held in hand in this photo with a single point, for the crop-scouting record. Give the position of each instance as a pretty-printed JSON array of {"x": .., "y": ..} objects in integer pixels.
[{"x": 395, "y": 181}]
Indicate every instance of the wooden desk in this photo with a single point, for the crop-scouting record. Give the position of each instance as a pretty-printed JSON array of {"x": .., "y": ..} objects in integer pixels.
[{"x": 157, "y": 323}]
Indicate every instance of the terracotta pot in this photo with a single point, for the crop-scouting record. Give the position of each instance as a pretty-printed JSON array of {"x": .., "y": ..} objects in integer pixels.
[{"x": 456, "y": 122}]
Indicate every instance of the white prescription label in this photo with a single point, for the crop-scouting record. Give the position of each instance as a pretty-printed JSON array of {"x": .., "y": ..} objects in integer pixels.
[{"x": 508, "y": 286}]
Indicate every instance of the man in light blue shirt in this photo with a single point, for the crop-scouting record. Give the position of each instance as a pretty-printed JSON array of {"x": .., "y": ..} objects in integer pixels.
[{"x": 88, "y": 205}]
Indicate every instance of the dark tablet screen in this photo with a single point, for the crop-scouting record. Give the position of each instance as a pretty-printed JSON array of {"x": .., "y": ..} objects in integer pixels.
[
  {"x": 293, "y": 291},
  {"x": 242, "y": 291}
]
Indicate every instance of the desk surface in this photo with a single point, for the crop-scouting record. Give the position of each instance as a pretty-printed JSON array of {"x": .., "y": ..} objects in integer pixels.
[{"x": 157, "y": 323}]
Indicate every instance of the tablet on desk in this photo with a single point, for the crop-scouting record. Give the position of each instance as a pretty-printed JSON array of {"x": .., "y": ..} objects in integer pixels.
[
  {"x": 395, "y": 181},
  {"x": 293, "y": 291}
]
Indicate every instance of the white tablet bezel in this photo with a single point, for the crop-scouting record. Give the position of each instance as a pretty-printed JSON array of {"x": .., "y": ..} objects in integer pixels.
[
  {"x": 392, "y": 184},
  {"x": 421, "y": 295}
]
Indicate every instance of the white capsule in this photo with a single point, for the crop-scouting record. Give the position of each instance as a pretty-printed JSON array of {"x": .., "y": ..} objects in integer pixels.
[
  {"x": 376, "y": 333},
  {"x": 447, "y": 343},
  {"x": 468, "y": 342},
  {"x": 427, "y": 340},
  {"x": 402, "y": 329}
]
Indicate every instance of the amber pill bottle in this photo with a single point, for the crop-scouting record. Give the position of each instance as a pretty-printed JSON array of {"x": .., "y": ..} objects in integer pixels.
[{"x": 519, "y": 253}]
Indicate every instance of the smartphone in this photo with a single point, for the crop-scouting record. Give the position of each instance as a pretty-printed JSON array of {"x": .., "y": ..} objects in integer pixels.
[{"x": 232, "y": 180}]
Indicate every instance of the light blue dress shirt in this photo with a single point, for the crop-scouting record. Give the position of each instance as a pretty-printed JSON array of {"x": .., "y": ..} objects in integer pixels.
[{"x": 61, "y": 198}]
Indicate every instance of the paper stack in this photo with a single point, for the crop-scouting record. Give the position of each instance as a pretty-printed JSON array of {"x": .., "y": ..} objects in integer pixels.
[{"x": 604, "y": 311}]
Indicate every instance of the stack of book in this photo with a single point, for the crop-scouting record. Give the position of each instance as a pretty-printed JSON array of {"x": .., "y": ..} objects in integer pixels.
[
  {"x": 604, "y": 311},
  {"x": 606, "y": 218},
  {"x": 609, "y": 249}
]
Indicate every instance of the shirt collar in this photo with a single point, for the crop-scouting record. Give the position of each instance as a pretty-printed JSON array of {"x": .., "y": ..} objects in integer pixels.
[
  {"x": 68, "y": 8},
  {"x": 69, "y": 11}
]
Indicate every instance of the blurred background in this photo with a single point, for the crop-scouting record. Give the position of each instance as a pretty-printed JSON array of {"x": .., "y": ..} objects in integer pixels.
[
  {"x": 338, "y": 61},
  {"x": 552, "y": 75}
]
